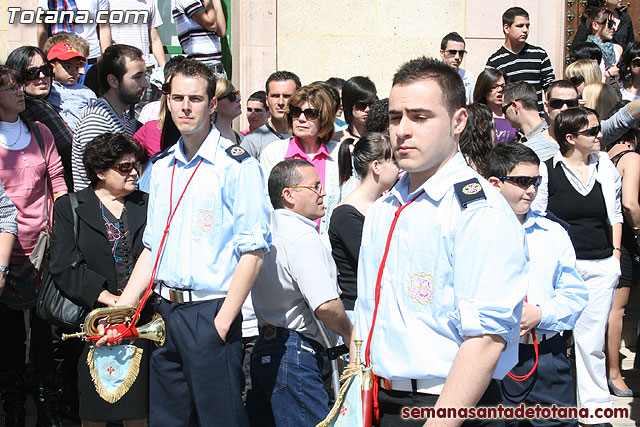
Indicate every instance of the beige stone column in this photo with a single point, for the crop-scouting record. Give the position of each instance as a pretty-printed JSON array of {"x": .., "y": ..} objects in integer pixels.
[{"x": 15, "y": 35}]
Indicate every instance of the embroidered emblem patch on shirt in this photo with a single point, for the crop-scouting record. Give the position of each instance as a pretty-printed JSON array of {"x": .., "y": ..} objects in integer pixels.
[
  {"x": 473, "y": 188},
  {"x": 238, "y": 153},
  {"x": 205, "y": 221},
  {"x": 421, "y": 288},
  {"x": 469, "y": 191}
]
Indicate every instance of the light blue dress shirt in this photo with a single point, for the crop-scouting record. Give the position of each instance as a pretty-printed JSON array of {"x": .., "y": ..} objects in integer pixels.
[
  {"x": 554, "y": 283},
  {"x": 71, "y": 101},
  {"x": 451, "y": 273},
  {"x": 224, "y": 213}
]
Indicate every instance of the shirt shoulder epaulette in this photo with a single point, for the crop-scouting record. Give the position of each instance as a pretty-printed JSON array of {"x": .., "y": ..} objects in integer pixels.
[
  {"x": 160, "y": 155},
  {"x": 237, "y": 153},
  {"x": 469, "y": 191}
]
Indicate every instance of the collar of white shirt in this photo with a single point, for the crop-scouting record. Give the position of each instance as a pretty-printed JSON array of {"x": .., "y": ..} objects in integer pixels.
[{"x": 534, "y": 220}]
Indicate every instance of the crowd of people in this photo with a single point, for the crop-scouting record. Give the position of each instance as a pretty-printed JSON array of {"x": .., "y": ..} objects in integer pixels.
[{"x": 465, "y": 230}]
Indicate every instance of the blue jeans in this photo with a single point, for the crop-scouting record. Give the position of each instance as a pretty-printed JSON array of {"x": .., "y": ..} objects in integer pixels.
[{"x": 286, "y": 381}]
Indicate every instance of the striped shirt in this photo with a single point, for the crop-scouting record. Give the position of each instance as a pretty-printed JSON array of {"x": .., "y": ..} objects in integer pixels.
[
  {"x": 198, "y": 43},
  {"x": 99, "y": 118},
  {"x": 531, "y": 65},
  {"x": 8, "y": 214}
]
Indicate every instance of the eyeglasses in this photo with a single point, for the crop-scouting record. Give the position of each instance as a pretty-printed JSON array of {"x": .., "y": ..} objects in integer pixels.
[
  {"x": 13, "y": 89},
  {"x": 635, "y": 62},
  {"x": 317, "y": 187},
  {"x": 453, "y": 52},
  {"x": 34, "y": 72},
  {"x": 126, "y": 167},
  {"x": 576, "y": 80},
  {"x": 232, "y": 96},
  {"x": 309, "y": 113},
  {"x": 594, "y": 131},
  {"x": 498, "y": 86},
  {"x": 523, "y": 181},
  {"x": 557, "y": 103},
  {"x": 362, "y": 105}
]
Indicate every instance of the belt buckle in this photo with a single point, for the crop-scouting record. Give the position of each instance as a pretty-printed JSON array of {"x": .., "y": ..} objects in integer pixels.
[
  {"x": 269, "y": 332},
  {"x": 176, "y": 296}
]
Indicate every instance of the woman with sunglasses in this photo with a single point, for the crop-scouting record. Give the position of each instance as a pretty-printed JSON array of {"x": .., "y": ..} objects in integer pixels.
[
  {"x": 581, "y": 186},
  {"x": 32, "y": 176},
  {"x": 94, "y": 269},
  {"x": 488, "y": 91},
  {"x": 358, "y": 93},
  {"x": 623, "y": 23},
  {"x": 623, "y": 155},
  {"x": 310, "y": 115},
  {"x": 583, "y": 72},
  {"x": 37, "y": 73},
  {"x": 229, "y": 107},
  {"x": 629, "y": 66}
]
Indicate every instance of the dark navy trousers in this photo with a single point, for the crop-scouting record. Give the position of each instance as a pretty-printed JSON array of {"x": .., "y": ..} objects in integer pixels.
[
  {"x": 550, "y": 384},
  {"x": 196, "y": 378}
]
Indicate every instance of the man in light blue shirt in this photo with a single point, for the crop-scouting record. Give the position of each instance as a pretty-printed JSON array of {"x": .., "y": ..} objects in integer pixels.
[
  {"x": 453, "y": 277},
  {"x": 556, "y": 296},
  {"x": 208, "y": 264}
]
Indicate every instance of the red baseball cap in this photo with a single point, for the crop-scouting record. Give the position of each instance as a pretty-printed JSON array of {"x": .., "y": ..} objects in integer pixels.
[{"x": 63, "y": 51}]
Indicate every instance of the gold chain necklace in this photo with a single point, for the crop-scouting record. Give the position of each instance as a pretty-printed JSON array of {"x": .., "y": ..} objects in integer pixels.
[{"x": 6, "y": 144}]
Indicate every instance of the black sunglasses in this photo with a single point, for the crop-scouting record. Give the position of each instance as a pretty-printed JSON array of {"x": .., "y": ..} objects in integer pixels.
[
  {"x": 309, "y": 113},
  {"x": 34, "y": 72},
  {"x": 126, "y": 167},
  {"x": 557, "y": 103},
  {"x": 576, "y": 80},
  {"x": 523, "y": 181},
  {"x": 504, "y": 108},
  {"x": 594, "y": 131},
  {"x": 232, "y": 96},
  {"x": 362, "y": 105},
  {"x": 635, "y": 62},
  {"x": 454, "y": 52}
]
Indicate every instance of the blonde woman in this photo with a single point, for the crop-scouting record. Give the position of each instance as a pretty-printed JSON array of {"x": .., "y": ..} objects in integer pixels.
[
  {"x": 583, "y": 72},
  {"x": 228, "y": 109},
  {"x": 600, "y": 97}
]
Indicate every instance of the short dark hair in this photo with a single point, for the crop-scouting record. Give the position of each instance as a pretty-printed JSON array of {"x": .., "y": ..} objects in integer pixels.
[
  {"x": 591, "y": 15},
  {"x": 486, "y": 80},
  {"x": 378, "y": 118},
  {"x": 507, "y": 155},
  {"x": 559, "y": 84},
  {"x": 358, "y": 88},
  {"x": 570, "y": 121},
  {"x": 103, "y": 151},
  {"x": 20, "y": 57},
  {"x": 448, "y": 79},
  {"x": 451, "y": 37},
  {"x": 114, "y": 61},
  {"x": 280, "y": 76},
  {"x": 509, "y": 15},
  {"x": 523, "y": 92},
  {"x": 631, "y": 51},
  {"x": 585, "y": 50},
  {"x": 336, "y": 82},
  {"x": 332, "y": 91},
  {"x": 9, "y": 75},
  {"x": 284, "y": 174},
  {"x": 193, "y": 68},
  {"x": 371, "y": 146},
  {"x": 259, "y": 96},
  {"x": 476, "y": 140}
]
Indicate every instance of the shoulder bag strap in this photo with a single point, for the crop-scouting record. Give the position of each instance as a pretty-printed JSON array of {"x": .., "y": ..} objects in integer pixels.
[{"x": 38, "y": 135}]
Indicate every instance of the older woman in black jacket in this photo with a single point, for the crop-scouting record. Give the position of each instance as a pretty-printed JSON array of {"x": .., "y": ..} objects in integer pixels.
[{"x": 93, "y": 272}]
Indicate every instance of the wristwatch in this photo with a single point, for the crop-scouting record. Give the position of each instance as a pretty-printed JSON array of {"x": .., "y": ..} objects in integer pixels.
[{"x": 4, "y": 270}]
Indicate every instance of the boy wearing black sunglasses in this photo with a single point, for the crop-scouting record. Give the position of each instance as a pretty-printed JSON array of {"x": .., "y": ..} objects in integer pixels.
[
  {"x": 556, "y": 295},
  {"x": 69, "y": 97}
]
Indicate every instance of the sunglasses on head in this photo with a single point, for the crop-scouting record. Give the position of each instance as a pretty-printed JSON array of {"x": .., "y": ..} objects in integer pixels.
[
  {"x": 231, "y": 96},
  {"x": 635, "y": 62},
  {"x": 309, "y": 113},
  {"x": 34, "y": 72},
  {"x": 576, "y": 80},
  {"x": 522, "y": 181},
  {"x": 557, "y": 103},
  {"x": 126, "y": 167},
  {"x": 594, "y": 131},
  {"x": 362, "y": 105}
]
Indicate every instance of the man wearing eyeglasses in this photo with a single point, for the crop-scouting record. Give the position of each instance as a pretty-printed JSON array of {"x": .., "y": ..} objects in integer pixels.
[
  {"x": 296, "y": 285},
  {"x": 452, "y": 52},
  {"x": 519, "y": 105},
  {"x": 601, "y": 25},
  {"x": 518, "y": 60}
]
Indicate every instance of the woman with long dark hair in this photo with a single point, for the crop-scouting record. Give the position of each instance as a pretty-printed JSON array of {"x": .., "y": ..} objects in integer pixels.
[
  {"x": 488, "y": 91},
  {"x": 476, "y": 140},
  {"x": 629, "y": 66},
  {"x": 358, "y": 94}
]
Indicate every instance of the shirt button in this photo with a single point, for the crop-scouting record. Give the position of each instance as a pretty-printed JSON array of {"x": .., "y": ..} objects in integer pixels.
[{"x": 22, "y": 152}]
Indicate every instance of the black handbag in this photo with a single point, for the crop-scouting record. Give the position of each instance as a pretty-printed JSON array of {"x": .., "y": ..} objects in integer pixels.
[{"x": 53, "y": 305}]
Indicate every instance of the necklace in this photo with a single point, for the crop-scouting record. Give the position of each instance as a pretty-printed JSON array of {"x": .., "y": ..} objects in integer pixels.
[{"x": 6, "y": 144}]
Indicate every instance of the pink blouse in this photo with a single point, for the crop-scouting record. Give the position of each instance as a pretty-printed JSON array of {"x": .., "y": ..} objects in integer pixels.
[
  {"x": 22, "y": 174},
  {"x": 319, "y": 161},
  {"x": 150, "y": 137}
]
